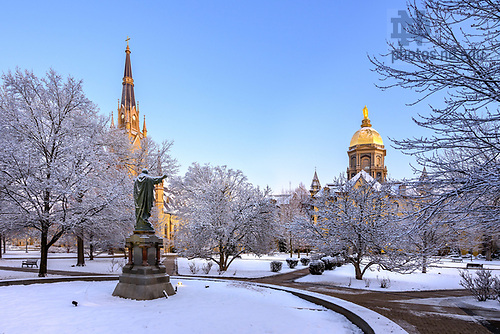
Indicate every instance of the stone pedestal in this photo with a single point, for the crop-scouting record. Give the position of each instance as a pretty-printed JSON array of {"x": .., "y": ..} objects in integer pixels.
[{"x": 144, "y": 277}]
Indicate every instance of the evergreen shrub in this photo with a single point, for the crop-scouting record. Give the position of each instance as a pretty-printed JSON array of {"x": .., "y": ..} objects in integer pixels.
[
  {"x": 316, "y": 267},
  {"x": 305, "y": 261},
  {"x": 330, "y": 262},
  {"x": 292, "y": 263},
  {"x": 276, "y": 266}
]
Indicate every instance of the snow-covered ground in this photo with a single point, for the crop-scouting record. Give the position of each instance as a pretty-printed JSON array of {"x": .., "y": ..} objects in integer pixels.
[
  {"x": 248, "y": 266},
  {"x": 441, "y": 276},
  {"x": 198, "y": 307},
  {"x": 96, "y": 301}
]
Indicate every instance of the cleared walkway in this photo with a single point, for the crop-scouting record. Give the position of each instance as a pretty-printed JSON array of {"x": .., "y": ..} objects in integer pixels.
[{"x": 410, "y": 310}]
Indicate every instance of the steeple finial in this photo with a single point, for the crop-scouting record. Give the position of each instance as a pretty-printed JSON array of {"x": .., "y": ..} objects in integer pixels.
[
  {"x": 144, "y": 130},
  {"x": 128, "y": 96},
  {"x": 315, "y": 185},
  {"x": 112, "y": 121},
  {"x": 366, "y": 121}
]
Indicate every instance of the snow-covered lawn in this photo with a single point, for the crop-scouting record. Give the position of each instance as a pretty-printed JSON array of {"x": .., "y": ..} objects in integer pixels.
[
  {"x": 248, "y": 266},
  {"x": 442, "y": 275},
  {"x": 98, "y": 265},
  {"x": 198, "y": 307}
]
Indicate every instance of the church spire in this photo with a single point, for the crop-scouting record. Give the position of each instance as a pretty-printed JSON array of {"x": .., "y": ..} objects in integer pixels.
[
  {"x": 315, "y": 185},
  {"x": 144, "y": 130},
  {"x": 128, "y": 97}
]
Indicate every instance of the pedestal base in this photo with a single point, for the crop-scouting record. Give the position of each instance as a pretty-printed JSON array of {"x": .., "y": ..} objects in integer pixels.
[
  {"x": 144, "y": 278},
  {"x": 143, "y": 283}
]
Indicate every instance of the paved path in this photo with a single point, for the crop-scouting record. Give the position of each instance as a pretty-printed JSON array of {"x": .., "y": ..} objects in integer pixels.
[
  {"x": 53, "y": 272},
  {"x": 410, "y": 310}
]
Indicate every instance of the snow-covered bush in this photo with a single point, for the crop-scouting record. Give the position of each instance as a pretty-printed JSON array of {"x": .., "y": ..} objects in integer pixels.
[
  {"x": 317, "y": 256},
  {"x": 339, "y": 261},
  {"x": 276, "y": 266},
  {"x": 292, "y": 263},
  {"x": 482, "y": 286},
  {"x": 367, "y": 282},
  {"x": 330, "y": 262},
  {"x": 206, "y": 267},
  {"x": 305, "y": 261},
  {"x": 193, "y": 268},
  {"x": 316, "y": 267},
  {"x": 115, "y": 265},
  {"x": 385, "y": 283},
  {"x": 496, "y": 288}
]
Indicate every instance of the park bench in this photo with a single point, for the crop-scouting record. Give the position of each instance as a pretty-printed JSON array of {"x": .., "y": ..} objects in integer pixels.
[
  {"x": 474, "y": 266},
  {"x": 30, "y": 263},
  {"x": 456, "y": 259}
]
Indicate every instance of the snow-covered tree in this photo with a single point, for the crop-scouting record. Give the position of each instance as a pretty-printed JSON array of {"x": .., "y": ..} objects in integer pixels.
[
  {"x": 430, "y": 230},
  {"x": 154, "y": 157},
  {"x": 222, "y": 215},
  {"x": 59, "y": 169},
  {"x": 291, "y": 207},
  {"x": 461, "y": 70},
  {"x": 358, "y": 219}
]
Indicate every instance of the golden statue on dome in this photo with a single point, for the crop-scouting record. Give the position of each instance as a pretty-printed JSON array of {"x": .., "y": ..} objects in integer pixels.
[
  {"x": 366, "y": 121},
  {"x": 365, "y": 112}
]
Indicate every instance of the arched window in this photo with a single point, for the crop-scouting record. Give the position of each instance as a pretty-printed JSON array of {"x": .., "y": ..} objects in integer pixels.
[
  {"x": 353, "y": 161},
  {"x": 366, "y": 163}
]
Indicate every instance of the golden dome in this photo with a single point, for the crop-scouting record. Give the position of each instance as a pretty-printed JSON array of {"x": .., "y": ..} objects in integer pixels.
[{"x": 367, "y": 134}]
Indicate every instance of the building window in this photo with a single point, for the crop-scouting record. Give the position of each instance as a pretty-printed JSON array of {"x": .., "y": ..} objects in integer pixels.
[
  {"x": 366, "y": 163},
  {"x": 353, "y": 161}
]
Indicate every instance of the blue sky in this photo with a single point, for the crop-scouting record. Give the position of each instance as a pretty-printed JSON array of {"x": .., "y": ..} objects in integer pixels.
[{"x": 274, "y": 88}]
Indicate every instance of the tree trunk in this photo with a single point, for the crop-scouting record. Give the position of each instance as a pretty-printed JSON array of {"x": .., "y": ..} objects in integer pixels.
[
  {"x": 222, "y": 262},
  {"x": 42, "y": 272},
  {"x": 91, "y": 251},
  {"x": 424, "y": 255},
  {"x": 357, "y": 269},
  {"x": 0, "y": 246},
  {"x": 80, "y": 252},
  {"x": 489, "y": 246},
  {"x": 291, "y": 248},
  {"x": 4, "y": 245}
]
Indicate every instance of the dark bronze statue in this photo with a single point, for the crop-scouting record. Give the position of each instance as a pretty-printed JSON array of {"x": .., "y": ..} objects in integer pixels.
[{"x": 144, "y": 198}]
